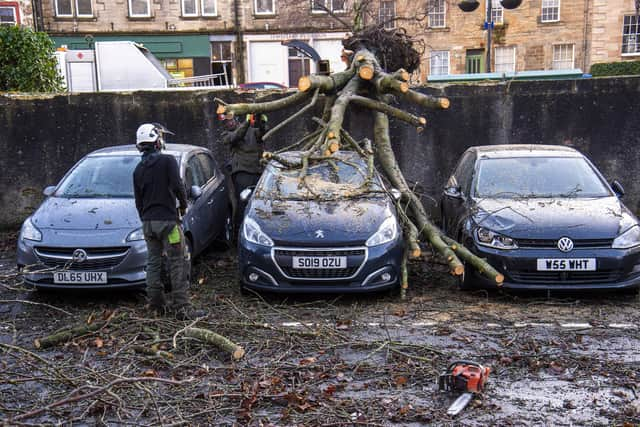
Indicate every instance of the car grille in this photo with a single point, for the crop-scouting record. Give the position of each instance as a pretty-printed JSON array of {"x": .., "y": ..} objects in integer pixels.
[
  {"x": 553, "y": 243},
  {"x": 566, "y": 277},
  {"x": 97, "y": 258},
  {"x": 355, "y": 259}
]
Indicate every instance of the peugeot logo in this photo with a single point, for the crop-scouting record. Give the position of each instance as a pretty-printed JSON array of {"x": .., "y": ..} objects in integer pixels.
[
  {"x": 319, "y": 234},
  {"x": 565, "y": 244},
  {"x": 79, "y": 255}
]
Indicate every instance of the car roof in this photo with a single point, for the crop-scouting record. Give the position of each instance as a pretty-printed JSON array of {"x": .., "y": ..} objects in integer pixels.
[
  {"x": 523, "y": 150},
  {"x": 131, "y": 150}
]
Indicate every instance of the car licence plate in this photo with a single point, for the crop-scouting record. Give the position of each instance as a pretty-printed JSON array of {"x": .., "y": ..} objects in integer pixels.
[
  {"x": 320, "y": 262},
  {"x": 566, "y": 264},
  {"x": 91, "y": 277}
]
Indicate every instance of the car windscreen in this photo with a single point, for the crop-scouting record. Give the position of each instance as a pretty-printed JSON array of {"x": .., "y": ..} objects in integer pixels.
[
  {"x": 323, "y": 182},
  {"x": 538, "y": 177},
  {"x": 100, "y": 176}
]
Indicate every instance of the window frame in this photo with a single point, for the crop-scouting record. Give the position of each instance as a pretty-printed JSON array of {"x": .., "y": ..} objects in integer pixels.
[
  {"x": 388, "y": 21},
  {"x": 60, "y": 15},
  {"x": 195, "y": 14},
  {"x": 636, "y": 51},
  {"x": 270, "y": 13},
  {"x": 495, "y": 57},
  {"x": 16, "y": 13},
  {"x": 553, "y": 55},
  {"x": 434, "y": 54},
  {"x": 431, "y": 14},
  {"x": 328, "y": 9},
  {"x": 147, "y": 15},
  {"x": 215, "y": 6},
  {"x": 547, "y": 7},
  {"x": 495, "y": 7},
  {"x": 83, "y": 15}
]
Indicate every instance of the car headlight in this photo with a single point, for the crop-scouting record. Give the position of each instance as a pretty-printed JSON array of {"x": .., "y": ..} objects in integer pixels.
[
  {"x": 135, "y": 235},
  {"x": 387, "y": 232},
  {"x": 252, "y": 232},
  {"x": 628, "y": 239},
  {"x": 30, "y": 231},
  {"x": 489, "y": 238}
]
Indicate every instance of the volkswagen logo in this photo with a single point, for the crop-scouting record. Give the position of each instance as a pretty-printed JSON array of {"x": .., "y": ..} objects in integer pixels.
[
  {"x": 565, "y": 244},
  {"x": 79, "y": 255},
  {"x": 319, "y": 234}
]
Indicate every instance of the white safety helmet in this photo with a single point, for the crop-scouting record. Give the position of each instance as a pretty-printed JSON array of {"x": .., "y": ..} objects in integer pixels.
[{"x": 151, "y": 134}]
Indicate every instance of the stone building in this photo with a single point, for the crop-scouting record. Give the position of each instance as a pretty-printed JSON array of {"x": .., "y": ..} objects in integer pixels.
[
  {"x": 242, "y": 39},
  {"x": 16, "y": 13},
  {"x": 537, "y": 35}
]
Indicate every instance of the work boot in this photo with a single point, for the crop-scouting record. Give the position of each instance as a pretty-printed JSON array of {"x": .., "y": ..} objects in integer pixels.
[
  {"x": 189, "y": 313},
  {"x": 156, "y": 310}
]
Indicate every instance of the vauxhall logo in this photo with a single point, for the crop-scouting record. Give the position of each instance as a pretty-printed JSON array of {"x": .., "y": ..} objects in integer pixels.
[
  {"x": 565, "y": 244},
  {"x": 79, "y": 255}
]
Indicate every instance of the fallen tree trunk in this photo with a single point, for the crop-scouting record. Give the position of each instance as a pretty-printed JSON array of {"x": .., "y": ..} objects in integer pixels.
[
  {"x": 216, "y": 340},
  {"x": 68, "y": 334}
]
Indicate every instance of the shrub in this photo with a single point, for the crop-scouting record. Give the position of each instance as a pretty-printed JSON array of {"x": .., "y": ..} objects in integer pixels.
[
  {"x": 625, "y": 68},
  {"x": 27, "y": 63}
]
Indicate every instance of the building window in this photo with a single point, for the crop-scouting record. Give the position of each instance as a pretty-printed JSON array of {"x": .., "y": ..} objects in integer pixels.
[
  {"x": 631, "y": 35},
  {"x": 179, "y": 67},
  {"x": 563, "y": 57},
  {"x": 265, "y": 7},
  {"x": 222, "y": 63},
  {"x": 439, "y": 64},
  {"x": 497, "y": 12},
  {"x": 191, "y": 8},
  {"x": 387, "y": 14},
  {"x": 505, "y": 60},
  {"x": 139, "y": 8},
  {"x": 70, "y": 8},
  {"x": 437, "y": 13},
  {"x": 299, "y": 65},
  {"x": 550, "y": 11},
  {"x": 209, "y": 8},
  {"x": 9, "y": 15},
  {"x": 324, "y": 6}
]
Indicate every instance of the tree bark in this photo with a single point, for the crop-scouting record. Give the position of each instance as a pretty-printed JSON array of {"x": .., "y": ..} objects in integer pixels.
[{"x": 216, "y": 340}]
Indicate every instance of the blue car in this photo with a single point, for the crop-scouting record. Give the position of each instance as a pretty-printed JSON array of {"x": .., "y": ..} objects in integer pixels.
[
  {"x": 544, "y": 217},
  {"x": 332, "y": 234},
  {"x": 87, "y": 233}
]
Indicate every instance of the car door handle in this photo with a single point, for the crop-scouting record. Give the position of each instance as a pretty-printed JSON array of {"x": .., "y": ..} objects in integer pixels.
[{"x": 210, "y": 202}]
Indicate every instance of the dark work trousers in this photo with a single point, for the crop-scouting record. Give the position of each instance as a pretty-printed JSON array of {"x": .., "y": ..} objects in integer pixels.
[
  {"x": 156, "y": 234},
  {"x": 242, "y": 180}
]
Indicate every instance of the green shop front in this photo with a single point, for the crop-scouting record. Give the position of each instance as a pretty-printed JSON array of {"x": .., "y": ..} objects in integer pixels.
[{"x": 182, "y": 56}]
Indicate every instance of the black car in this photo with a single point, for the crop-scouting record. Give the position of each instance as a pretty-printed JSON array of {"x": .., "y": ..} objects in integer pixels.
[
  {"x": 330, "y": 235},
  {"x": 544, "y": 217}
]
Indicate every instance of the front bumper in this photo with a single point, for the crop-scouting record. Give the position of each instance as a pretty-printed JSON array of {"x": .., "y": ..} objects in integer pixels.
[
  {"x": 272, "y": 274},
  {"x": 615, "y": 269},
  {"x": 129, "y": 273}
]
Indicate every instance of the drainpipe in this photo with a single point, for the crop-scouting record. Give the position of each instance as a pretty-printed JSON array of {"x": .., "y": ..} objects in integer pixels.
[
  {"x": 239, "y": 60},
  {"x": 36, "y": 7},
  {"x": 586, "y": 37}
]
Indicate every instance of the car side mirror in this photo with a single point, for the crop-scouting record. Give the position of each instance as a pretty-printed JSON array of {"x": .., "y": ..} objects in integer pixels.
[
  {"x": 48, "y": 191},
  {"x": 245, "y": 194},
  {"x": 453, "y": 192},
  {"x": 396, "y": 194},
  {"x": 617, "y": 188},
  {"x": 195, "y": 192}
]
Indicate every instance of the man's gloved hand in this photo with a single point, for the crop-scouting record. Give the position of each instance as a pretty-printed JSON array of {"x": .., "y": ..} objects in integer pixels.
[{"x": 182, "y": 211}]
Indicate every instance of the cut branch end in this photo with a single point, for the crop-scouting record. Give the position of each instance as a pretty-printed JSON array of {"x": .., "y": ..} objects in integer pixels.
[
  {"x": 458, "y": 270},
  {"x": 304, "y": 83},
  {"x": 444, "y": 103},
  {"x": 221, "y": 109},
  {"x": 367, "y": 72},
  {"x": 334, "y": 146}
]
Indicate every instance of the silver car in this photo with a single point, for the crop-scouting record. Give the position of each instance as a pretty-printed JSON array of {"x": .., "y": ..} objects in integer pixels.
[{"x": 87, "y": 233}]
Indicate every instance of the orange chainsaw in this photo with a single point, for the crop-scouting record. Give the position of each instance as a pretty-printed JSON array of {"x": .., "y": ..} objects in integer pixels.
[{"x": 465, "y": 377}]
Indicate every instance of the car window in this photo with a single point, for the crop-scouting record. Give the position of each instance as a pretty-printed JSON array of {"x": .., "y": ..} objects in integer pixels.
[
  {"x": 322, "y": 182},
  {"x": 538, "y": 177},
  {"x": 100, "y": 176},
  {"x": 194, "y": 174},
  {"x": 208, "y": 166},
  {"x": 464, "y": 172}
]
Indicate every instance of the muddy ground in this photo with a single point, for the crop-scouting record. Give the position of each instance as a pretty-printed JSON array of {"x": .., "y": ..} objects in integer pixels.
[{"x": 568, "y": 359}]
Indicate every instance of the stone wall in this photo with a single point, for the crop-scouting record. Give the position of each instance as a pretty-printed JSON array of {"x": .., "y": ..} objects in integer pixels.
[{"x": 41, "y": 137}]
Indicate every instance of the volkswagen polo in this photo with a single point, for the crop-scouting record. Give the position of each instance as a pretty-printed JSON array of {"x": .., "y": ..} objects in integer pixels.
[
  {"x": 334, "y": 233},
  {"x": 544, "y": 217}
]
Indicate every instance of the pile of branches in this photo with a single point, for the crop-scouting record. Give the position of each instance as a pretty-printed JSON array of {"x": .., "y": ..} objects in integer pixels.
[{"x": 365, "y": 83}]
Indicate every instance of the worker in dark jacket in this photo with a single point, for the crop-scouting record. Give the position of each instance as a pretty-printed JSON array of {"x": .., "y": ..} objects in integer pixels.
[
  {"x": 157, "y": 185},
  {"x": 245, "y": 141}
]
